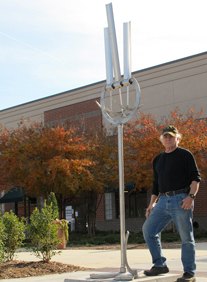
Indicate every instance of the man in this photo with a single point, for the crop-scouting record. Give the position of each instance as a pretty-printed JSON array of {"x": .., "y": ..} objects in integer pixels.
[{"x": 175, "y": 184}]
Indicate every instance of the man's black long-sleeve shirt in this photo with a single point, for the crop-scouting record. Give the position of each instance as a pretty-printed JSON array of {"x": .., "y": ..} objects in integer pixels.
[{"x": 174, "y": 171}]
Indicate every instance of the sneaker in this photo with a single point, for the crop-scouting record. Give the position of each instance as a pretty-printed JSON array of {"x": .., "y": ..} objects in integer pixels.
[
  {"x": 187, "y": 277},
  {"x": 154, "y": 271}
]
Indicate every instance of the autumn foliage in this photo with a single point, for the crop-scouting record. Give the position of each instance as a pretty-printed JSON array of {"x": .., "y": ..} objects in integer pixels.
[
  {"x": 66, "y": 160},
  {"x": 72, "y": 162},
  {"x": 42, "y": 160},
  {"x": 63, "y": 160},
  {"x": 101, "y": 151},
  {"x": 142, "y": 143}
]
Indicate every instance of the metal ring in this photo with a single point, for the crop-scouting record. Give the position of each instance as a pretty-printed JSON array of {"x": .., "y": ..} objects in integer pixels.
[{"x": 129, "y": 116}]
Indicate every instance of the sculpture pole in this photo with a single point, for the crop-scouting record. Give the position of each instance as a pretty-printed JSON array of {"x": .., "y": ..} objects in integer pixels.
[
  {"x": 119, "y": 117},
  {"x": 121, "y": 195}
]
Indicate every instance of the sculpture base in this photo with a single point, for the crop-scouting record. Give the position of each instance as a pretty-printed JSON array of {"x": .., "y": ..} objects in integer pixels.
[
  {"x": 127, "y": 276},
  {"x": 104, "y": 275},
  {"x": 84, "y": 276}
]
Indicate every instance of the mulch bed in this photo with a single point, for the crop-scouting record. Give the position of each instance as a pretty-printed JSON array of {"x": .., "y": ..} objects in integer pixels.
[{"x": 21, "y": 269}]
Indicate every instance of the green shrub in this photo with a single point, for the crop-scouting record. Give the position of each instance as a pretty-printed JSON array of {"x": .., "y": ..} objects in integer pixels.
[
  {"x": 200, "y": 234},
  {"x": 2, "y": 237},
  {"x": 170, "y": 237},
  {"x": 112, "y": 239},
  {"x": 64, "y": 226},
  {"x": 43, "y": 233},
  {"x": 136, "y": 238},
  {"x": 14, "y": 234},
  {"x": 53, "y": 201}
]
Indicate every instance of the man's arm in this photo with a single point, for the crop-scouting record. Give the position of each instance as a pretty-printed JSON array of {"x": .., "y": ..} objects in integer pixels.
[
  {"x": 194, "y": 187},
  {"x": 188, "y": 201}
]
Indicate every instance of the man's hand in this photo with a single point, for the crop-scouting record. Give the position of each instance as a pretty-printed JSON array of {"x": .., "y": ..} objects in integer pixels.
[
  {"x": 149, "y": 209},
  {"x": 187, "y": 203},
  {"x": 151, "y": 205}
]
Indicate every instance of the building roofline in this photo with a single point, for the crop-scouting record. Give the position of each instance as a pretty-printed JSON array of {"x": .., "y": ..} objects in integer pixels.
[
  {"x": 88, "y": 85},
  {"x": 171, "y": 62}
]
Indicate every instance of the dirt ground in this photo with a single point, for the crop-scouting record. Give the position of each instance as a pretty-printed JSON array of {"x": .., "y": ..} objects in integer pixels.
[{"x": 20, "y": 269}]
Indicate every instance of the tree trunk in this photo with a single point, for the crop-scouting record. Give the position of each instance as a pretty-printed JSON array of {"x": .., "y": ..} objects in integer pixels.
[
  {"x": 91, "y": 212},
  {"x": 40, "y": 203}
]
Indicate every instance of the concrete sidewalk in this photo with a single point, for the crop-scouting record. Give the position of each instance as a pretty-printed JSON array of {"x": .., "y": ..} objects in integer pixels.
[{"x": 108, "y": 261}]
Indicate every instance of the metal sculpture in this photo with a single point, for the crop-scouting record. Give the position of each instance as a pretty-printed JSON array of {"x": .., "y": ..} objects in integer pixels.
[{"x": 120, "y": 116}]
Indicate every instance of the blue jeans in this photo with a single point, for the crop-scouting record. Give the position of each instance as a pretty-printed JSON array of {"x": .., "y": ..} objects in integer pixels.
[{"x": 167, "y": 209}]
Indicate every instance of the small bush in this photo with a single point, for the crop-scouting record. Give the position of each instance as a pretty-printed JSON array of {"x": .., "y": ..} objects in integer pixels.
[
  {"x": 43, "y": 232},
  {"x": 200, "y": 234},
  {"x": 136, "y": 238},
  {"x": 113, "y": 237},
  {"x": 14, "y": 234},
  {"x": 2, "y": 237},
  {"x": 53, "y": 201},
  {"x": 170, "y": 237}
]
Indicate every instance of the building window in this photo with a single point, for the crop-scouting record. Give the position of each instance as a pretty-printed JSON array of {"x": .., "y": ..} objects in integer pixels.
[
  {"x": 108, "y": 206},
  {"x": 135, "y": 204},
  {"x": 26, "y": 207}
]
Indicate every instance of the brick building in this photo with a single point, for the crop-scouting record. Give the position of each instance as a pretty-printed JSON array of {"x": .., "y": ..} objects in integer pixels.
[{"x": 181, "y": 83}]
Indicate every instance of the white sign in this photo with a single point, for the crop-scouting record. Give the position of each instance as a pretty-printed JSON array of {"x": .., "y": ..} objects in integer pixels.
[{"x": 68, "y": 213}]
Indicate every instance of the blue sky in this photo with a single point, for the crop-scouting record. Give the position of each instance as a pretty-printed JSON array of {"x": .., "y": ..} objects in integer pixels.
[{"x": 51, "y": 46}]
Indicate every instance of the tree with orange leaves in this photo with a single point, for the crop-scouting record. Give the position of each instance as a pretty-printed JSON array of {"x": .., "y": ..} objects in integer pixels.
[
  {"x": 101, "y": 153},
  {"x": 42, "y": 159},
  {"x": 142, "y": 144},
  {"x": 60, "y": 159}
]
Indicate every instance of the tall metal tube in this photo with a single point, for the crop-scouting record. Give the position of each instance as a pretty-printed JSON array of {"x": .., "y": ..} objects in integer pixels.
[
  {"x": 127, "y": 49},
  {"x": 108, "y": 57},
  {"x": 121, "y": 195},
  {"x": 113, "y": 42},
  {"x": 127, "y": 54}
]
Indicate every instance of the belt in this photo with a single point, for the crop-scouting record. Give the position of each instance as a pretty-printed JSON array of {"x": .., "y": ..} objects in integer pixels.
[{"x": 173, "y": 193}]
